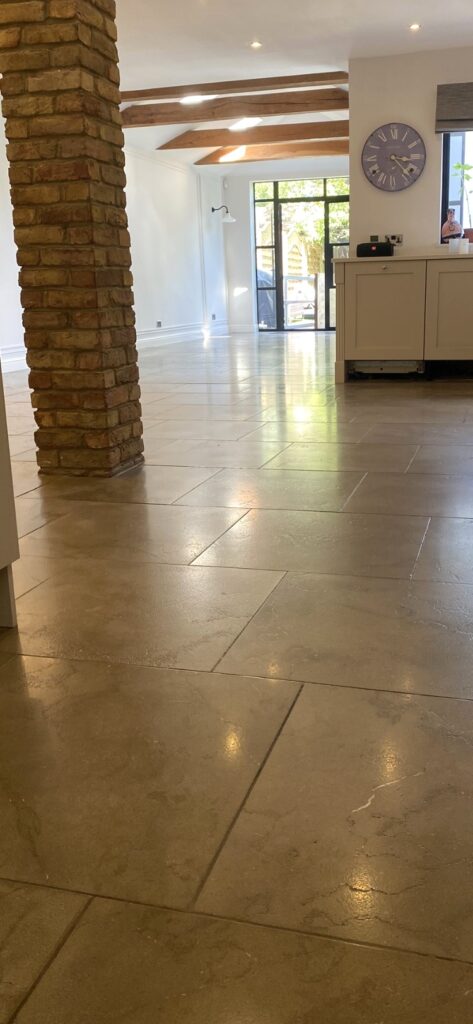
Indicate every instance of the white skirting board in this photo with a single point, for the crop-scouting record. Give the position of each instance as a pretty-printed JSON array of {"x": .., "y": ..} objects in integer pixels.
[
  {"x": 182, "y": 332},
  {"x": 14, "y": 358}
]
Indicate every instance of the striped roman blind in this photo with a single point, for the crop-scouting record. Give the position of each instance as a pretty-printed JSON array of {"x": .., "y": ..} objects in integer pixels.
[{"x": 454, "y": 108}]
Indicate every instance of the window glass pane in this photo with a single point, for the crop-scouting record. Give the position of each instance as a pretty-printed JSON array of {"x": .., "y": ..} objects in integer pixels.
[
  {"x": 265, "y": 268},
  {"x": 456, "y": 157},
  {"x": 266, "y": 309},
  {"x": 338, "y": 186},
  {"x": 339, "y": 222},
  {"x": 264, "y": 214},
  {"x": 264, "y": 189},
  {"x": 300, "y": 189}
]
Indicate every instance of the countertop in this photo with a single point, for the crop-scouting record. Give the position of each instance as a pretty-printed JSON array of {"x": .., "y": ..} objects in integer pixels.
[{"x": 421, "y": 255}]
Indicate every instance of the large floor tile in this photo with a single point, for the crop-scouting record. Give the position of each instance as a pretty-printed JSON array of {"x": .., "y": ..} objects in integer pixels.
[
  {"x": 34, "y": 511},
  {"x": 25, "y": 477},
  {"x": 419, "y": 433},
  {"x": 124, "y": 781},
  {"x": 417, "y": 413},
  {"x": 384, "y": 458},
  {"x": 280, "y": 489},
  {"x": 359, "y": 825},
  {"x": 448, "y": 458},
  {"x": 28, "y": 456},
  {"x": 21, "y": 423},
  {"x": 154, "y": 485},
  {"x": 447, "y": 552},
  {"x": 29, "y": 572},
  {"x": 138, "y": 966},
  {"x": 217, "y": 454},
  {"x": 20, "y": 443},
  {"x": 315, "y": 411},
  {"x": 381, "y": 634},
  {"x": 170, "y": 615},
  {"x": 292, "y": 431},
  {"x": 33, "y": 920},
  {"x": 129, "y": 533},
  {"x": 210, "y": 413},
  {"x": 417, "y": 494},
  {"x": 206, "y": 430},
  {"x": 320, "y": 542}
]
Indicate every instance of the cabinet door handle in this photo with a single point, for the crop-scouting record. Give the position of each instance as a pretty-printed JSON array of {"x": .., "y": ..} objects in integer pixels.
[{"x": 385, "y": 267}]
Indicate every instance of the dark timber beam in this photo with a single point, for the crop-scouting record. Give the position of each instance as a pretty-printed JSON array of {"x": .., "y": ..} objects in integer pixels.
[{"x": 139, "y": 116}]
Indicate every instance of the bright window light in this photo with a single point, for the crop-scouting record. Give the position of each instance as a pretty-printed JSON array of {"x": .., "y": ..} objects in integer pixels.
[{"x": 244, "y": 123}]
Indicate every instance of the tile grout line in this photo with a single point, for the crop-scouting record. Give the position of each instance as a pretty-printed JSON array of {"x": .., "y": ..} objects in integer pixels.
[
  {"x": 165, "y": 908},
  {"x": 287, "y": 445},
  {"x": 244, "y": 513},
  {"x": 411, "y": 577},
  {"x": 350, "y": 496},
  {"x": 57, "y": 949},
  {"x": 232, "y": 675},
  {"x": 418, "y": 448},
  {"x": 240, "y": 808},
  {"x": 250, "y": 620},
  {"x": 219, "y": 470}
]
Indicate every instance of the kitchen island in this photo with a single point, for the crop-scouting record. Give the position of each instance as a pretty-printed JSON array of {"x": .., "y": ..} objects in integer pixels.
[{"x": 403, "y": 309}]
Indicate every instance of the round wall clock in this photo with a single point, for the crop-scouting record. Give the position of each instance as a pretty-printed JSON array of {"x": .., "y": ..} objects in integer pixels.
[{"x": 393, "y": 157}]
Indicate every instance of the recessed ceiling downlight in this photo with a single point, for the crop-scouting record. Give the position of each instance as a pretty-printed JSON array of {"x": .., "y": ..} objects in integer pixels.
[
  {"x": 415, "y": 27},
  {"x": 190, "y": 101},
  {"x": 256, "y": 45}
]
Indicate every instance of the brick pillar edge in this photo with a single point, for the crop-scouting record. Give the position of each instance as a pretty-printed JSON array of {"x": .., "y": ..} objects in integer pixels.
[{"x": 60, "y": 100}]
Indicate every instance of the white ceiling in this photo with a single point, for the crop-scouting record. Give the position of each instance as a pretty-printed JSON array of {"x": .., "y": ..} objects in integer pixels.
[
  {"x": 174, "y": 42},
  {"x": 184, "y": 42}
]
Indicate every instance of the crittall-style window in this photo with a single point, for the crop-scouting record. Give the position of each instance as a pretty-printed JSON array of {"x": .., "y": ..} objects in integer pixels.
[{"x": 300, "y": 226}]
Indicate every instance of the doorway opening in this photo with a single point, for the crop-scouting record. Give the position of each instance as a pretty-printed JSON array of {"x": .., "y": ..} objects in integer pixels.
[{"x": 300, "y": 227}]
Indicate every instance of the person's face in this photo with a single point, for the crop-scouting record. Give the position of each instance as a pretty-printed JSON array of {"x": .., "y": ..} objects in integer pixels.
[{"x": 450, "y": 216}]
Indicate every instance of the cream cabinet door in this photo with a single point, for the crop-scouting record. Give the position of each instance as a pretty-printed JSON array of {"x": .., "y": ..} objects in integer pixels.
[
  {"x": 449, "y": 314},
  {"x": 385, "y": 309}
]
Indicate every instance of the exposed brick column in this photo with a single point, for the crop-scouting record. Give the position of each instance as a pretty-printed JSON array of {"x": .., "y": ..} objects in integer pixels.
[{"x": 61, "y": 104}]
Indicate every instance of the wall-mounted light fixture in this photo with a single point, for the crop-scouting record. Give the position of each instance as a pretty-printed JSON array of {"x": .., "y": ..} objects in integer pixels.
[{"x": 227, "y": 218}]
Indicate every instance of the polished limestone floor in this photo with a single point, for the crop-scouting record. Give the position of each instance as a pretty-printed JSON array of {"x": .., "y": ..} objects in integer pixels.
[{"x": 236, "y": 720}]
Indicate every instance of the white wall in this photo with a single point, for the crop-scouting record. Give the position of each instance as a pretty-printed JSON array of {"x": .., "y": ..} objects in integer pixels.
[
  {"x": 12, "y": 351},
  {"x": 401, "y": 88},
  {"x": 177, "y": 248},
  {"x": 213, "y": 254},
  {"x": 239, "y": 237}
]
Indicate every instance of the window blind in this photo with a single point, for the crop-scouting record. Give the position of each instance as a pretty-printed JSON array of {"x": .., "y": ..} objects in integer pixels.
[{"x": 454, "y": 108}]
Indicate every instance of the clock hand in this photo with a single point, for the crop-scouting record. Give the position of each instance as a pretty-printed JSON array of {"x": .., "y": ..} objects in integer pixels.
[{"x": 399, "y": 165}]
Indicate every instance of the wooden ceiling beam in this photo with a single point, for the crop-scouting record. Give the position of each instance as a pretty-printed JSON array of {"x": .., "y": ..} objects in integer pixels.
[
  {"x": 230, "y": 88},
  {"x": 281, "y": 151},
  {"x": 264, "y": 134},
  {"x": 139, "y": 116}
]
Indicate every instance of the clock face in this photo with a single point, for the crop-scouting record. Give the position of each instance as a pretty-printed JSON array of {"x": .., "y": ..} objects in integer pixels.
[{"x": 393, "y": 157}]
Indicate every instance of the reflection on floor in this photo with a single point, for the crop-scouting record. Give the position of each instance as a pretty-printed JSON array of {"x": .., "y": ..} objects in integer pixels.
[{"x": 236, "y": 722}]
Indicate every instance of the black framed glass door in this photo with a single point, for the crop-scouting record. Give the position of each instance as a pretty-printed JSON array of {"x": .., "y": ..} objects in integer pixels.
[{"x": 299, "y": 226}]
